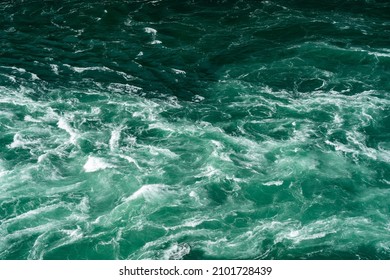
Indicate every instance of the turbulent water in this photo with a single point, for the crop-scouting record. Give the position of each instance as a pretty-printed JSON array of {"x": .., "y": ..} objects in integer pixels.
[{"x": 195, "y": 129}]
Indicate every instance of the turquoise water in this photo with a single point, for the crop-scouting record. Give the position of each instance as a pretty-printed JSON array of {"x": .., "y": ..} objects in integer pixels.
[{"x": 195, "y": 129}]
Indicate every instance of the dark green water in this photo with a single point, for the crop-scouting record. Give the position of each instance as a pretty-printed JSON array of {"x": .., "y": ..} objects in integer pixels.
[{"x": 195, "y": 129}]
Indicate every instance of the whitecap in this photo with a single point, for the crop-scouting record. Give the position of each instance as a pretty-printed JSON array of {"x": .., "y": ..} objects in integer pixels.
[
  {"x": 155, "y": 42},
  {"x": 41, "y": 158},
  {"x": 54, "y": 68},
  {"x": 148, "y": 192},
  {"x": 18, "y": 142},
  {"x": 20, "y": 70},
  {"x": 34, "y": 77},
  {"x": 178, "y": 71},
  {"x": 12, "y": 78},
  {"x": 94, "y": 164},
  {"x": 150, "y": 30},
  {"x": 197, "y": 98}
]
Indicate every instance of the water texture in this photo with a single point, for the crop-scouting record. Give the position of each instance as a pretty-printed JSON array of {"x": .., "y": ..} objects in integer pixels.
[{"x": 195, "y": 129}]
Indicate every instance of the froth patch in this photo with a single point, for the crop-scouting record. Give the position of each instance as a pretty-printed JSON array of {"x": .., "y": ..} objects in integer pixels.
[
  {"x": 177, "y": 251},
  {"x": 94, "y": 164},
  {"x": 153, "y": 32}
]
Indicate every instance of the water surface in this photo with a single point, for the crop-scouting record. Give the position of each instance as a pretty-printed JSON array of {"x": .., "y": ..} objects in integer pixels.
[{"x": 195, "y": 129}]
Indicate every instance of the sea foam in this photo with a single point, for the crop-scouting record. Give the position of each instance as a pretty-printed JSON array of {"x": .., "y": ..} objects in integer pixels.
[{"x": 94, "y": 164}]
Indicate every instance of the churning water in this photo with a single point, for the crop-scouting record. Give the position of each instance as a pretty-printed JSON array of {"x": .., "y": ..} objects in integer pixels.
[{"x": 195, "y": 129}]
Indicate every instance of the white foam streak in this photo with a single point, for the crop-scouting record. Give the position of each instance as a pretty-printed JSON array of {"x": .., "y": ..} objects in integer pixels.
[
  {"x": 166, "y": 152},
  {"x": 161, "y": 126},
  {"x": 273, "y": 183},
  {"x": 22, "y": 71},
  {"x": 209, "y": 171},
  {"x": 76, "y": 69},
  {"x": 33, "y": 213},
  {"x": 114, "y": 140},
  {"x": 40, "y": 247},
  {"x": 130, "y": 160},
  {"x": 178, "y": 71},
  {"x": 63, "y": 124}
]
